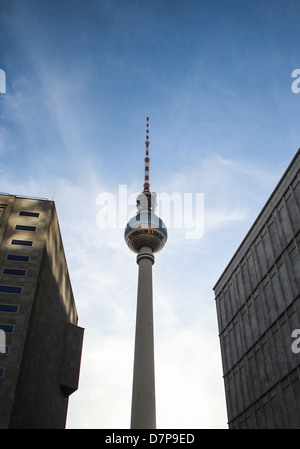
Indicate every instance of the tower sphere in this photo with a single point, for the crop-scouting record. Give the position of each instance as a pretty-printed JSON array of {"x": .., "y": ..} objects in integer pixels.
[{"x": 145, "y": 229}]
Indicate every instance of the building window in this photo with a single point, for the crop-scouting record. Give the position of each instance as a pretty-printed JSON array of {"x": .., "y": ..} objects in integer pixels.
[
  {"x": 7, "y": 328},
  {"x": 10, "y": 289},
  {"x": 14, "y": 272},
  {"x": 4, "y": 350},
  {"x": 17, "y": 258},
  {"x": 24, "y": 213},
  {"x": 9, "y": 308},
  {"x": 2, "y": 372},
  {"x": 25, "y": 228},
  {"x": 21, "y": 242}
]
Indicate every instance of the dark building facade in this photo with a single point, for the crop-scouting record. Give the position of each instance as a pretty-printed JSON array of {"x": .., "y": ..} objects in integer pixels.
[
  {"x": 258, "y": 307},
  {"x": 40, "y": 362}
]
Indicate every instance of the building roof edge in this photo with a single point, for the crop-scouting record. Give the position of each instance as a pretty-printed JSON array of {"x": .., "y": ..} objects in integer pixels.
[{"x": 259, "y": 216}]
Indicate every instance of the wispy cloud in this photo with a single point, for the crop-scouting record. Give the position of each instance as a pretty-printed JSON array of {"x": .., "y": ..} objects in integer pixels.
[
  {"x": 104, "y": 278},
  {"x": 75, "y": 90}
]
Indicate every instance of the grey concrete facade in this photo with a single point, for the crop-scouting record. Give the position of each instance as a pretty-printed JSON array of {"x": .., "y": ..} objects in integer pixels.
[
  {"x": 258, "y": 307},
  {"x": 40, "y": 368}
]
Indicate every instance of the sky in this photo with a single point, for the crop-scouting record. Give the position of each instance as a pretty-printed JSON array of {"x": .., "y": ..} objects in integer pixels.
[{"x": 215, "y": 79}]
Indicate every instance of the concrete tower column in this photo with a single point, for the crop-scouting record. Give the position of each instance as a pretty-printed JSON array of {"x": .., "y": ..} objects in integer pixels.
[
  {"x": 143, "y": 414},
  {"x": 145, "y": 234}
]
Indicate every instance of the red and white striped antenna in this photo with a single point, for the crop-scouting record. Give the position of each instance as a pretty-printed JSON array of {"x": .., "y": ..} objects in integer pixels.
[{"x": 147, "y": 160}]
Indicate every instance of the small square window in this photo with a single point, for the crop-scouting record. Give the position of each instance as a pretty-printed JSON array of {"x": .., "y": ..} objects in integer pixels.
[
  {"x": 4, "y": 350},
  {"x": 9, "y": 308},
  {"x": 10, "y": 289},
  {"x": 2, "y": 372},
  {"x": 25, "y": 228},
  {"x": 14, "y": 272},
  {"x": 7, "y": 328},
  {"x": 24, "y": 213},
  {"x": 17, "y": 258},
  {"x": 21, "y": 242}
]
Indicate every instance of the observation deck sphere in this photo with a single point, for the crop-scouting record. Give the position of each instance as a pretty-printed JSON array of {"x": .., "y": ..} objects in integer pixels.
[{"x": 146, "y": 229}]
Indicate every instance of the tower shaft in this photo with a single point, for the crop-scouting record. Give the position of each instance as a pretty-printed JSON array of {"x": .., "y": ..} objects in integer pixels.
[
  {"x": 143, "y": 414},
  {"x": 145, "y": 234}
]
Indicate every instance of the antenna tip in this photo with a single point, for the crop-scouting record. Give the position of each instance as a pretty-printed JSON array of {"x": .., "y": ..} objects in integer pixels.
[{"x": 147, "y": 130}]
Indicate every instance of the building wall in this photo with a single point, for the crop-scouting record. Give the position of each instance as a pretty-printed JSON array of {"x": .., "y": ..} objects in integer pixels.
[
  {"x": 258, "y": 307},
  {"x": 40, "y": 343}
]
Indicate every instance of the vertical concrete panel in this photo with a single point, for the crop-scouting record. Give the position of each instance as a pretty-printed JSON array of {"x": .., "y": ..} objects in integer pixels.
[{"x": 71, "y": 359}]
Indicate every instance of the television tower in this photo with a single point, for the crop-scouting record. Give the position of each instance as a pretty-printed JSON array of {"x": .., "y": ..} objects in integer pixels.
[{"x": 145, "y": 234}]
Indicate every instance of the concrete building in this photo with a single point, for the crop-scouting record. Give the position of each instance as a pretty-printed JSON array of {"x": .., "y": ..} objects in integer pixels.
[
  {"x": 258, "y": 307},
  {"x": 39, "y": 367},
  {"x": 145, "y": 234}
]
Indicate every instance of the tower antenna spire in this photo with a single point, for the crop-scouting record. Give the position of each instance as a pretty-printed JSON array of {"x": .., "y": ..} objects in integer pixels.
[{"x": 147, "y": 160}]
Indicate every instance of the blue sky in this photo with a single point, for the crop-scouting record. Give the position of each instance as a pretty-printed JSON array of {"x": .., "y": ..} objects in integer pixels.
[{"x": 214, "y": 76}]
